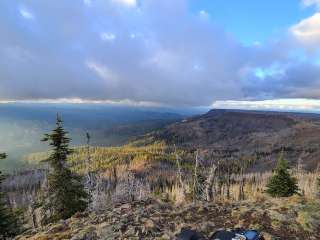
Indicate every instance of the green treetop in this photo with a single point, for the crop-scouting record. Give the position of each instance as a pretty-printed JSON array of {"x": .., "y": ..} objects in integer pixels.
[
  {"x": 65, "y": 193},
  {"x": 282, "y": 184}
]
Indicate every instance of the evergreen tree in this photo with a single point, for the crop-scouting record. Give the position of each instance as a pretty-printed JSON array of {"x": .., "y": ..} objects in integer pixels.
[
  {"x": 65, "y": 193},
  {"x": 8, "y": 221},
  {"x": 282, "y": 184}
]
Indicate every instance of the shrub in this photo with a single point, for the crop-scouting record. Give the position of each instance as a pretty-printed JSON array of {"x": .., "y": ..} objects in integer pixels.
[{"x": 282, "y": 184}]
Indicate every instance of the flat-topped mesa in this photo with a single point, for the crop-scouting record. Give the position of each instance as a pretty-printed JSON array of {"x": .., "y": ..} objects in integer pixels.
[{"x": 250, "y": 133}]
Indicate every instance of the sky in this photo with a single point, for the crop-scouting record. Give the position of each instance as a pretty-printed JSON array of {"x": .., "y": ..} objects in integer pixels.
[{"x": 214, "y": 53}]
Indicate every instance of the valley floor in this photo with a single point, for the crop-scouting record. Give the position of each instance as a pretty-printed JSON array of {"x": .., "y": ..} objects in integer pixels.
[{"x": 292, "y": 218}]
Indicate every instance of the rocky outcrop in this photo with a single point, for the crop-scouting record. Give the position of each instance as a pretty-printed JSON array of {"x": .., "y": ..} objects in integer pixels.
[{"x": 154, "y": 219}]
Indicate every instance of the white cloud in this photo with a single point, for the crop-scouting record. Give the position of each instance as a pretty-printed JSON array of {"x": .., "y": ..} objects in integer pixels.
[
  {"x": 308, "y": 3},
  {"x": 132, "y": 36},
  {"x": 173, "y": 52},
  {"x": 204, "y": 14},
  {"x": 87, "y": 2},
  {"x": 298, "y": 104},
  {"x": 257, "y": 44},
  {"x": 26, "y": 13},
  {"x": 128, "y": 3},
  {"x": 165, "y": 60},
  {"x": 102, "y": 71},
  {"x": 197, "y": 67},
  {"x": 106, "y": 36},
  {"x": 6, "y": 101},
  {"x": 307, "y": 31},
  {"x": 271, "y": 71},
  {"x": 124, "y": 102}
]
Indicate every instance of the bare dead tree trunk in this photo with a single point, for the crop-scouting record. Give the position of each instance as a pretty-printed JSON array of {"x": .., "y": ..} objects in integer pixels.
[
  {"x": 32, "y": 212},
  {"x": 210, "y": 183},
  {"x": 220, "y": 184},
  {"x": 88, "y": 165},
  {"x": 89, "y": 185},
  {"x": 179, "y": 170},
  {"x": 115, "y": 177},
  {"x": 97, "y": 196},
  {"x": 241, "y": 186},
  {"x": 195, "y": 177},
  {"x": 228, "y": 183},
  {"x": 130, "y": 187}
]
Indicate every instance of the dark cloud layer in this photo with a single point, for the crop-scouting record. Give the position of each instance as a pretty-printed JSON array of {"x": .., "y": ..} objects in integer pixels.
[{"x": 150, "y": 51}]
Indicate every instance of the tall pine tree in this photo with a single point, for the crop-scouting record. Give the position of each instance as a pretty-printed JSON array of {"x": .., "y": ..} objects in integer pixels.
[
  {"x": 65, "y": 193},
  {"x": 8, "y": 221},
  {"x": 282, "y": 184}
]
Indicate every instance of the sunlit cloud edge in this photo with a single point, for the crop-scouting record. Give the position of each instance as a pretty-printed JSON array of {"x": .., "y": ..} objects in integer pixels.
[{"x": 295, "y": 104}]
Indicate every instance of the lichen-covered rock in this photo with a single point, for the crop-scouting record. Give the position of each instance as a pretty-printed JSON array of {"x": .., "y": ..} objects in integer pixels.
[
  {"x": 268, "y": 236},
  {"x": 56, "y": 228},
  {"x": 153, "y": 219},
  {"x": 88, "y": 233}
]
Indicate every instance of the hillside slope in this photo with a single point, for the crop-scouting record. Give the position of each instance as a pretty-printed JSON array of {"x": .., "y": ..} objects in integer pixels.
[
  {"x": 252, "y": 134},
  {"x": 22, "y": 126}
]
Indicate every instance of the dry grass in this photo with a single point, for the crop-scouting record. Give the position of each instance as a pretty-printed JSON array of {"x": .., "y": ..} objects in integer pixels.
[{"x": 255, "y": 186}]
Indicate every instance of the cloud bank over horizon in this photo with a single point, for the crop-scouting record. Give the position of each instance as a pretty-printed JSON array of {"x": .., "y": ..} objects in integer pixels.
[{"x": 147, "y": 51}]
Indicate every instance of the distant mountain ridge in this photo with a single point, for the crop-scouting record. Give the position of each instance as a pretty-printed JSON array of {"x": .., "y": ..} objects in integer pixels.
[
  {"x": 260, "y": 135},
  {"x": 22, "y": 126}
]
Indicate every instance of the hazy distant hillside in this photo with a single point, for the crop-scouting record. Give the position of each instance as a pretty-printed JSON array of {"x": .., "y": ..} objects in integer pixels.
[
  {"x": 23, "y": 125},
  {"x": 260, "y": 136}
]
